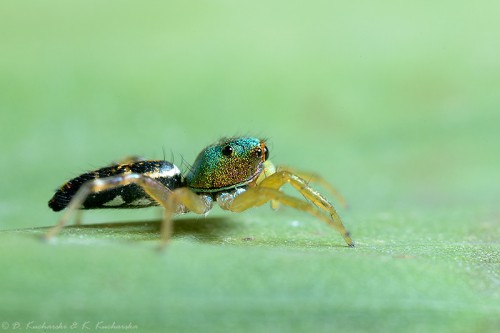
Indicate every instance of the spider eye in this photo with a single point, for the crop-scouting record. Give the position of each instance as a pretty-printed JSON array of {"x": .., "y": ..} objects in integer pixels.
[
  {"x": 266, "y": 152},
  {"x": 227, "y": 150}
]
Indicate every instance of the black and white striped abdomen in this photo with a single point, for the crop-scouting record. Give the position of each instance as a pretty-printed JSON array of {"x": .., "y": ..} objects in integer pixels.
[{"x": 128, "y": 196}]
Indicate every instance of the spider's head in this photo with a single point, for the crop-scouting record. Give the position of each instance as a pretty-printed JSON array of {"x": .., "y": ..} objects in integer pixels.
[{"x": 227, "y": 164}]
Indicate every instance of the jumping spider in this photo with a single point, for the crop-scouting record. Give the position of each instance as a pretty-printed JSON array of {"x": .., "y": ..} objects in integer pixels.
[{"x": 236, "y": 173}]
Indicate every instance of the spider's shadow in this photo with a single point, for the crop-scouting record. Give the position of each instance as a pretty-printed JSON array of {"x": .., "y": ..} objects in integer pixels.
[{"x": 207, "y": 229}]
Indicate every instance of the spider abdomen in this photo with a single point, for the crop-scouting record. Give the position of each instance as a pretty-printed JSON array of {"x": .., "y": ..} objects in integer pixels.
[{"x": 127, "y": 196}]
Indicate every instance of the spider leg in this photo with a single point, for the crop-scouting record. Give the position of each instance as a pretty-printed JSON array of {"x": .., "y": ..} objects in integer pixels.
[
  {"x": 259, "y": 195},
  {"x": 315, "y": 178},
  {"x": 78, "y": 217},
  {"x": 128, "y": 159},
  {"x": 173, "y": 201},
  {"x": 177, "y": 200},
  {"x": 278, "y": 179}
]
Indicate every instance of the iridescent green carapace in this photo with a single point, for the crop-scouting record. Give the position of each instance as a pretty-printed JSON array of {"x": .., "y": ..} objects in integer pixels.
[{"x": 229, "y": 163}]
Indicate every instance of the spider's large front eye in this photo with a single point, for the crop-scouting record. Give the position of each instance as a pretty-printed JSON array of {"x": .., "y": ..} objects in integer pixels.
[
  {"x": 266, "y": 153},
  {"x": 227, "y": 150}
]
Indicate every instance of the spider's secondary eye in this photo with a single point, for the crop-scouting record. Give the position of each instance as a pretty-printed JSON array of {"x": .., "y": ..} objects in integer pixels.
[
  {"x": 266, "y": 152},
  {"x": 227, "y": 151}
]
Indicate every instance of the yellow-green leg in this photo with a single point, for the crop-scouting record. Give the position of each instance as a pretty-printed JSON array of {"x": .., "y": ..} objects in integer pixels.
[
  {"x": 128, "y": 160},
  {"x": 259, "y": 195},
  {"x": 278, "y": 179},
  {"x": 173, "y": 201},
  {"x": 311, "y": 177},
  {"x": 184, "y": 199}
]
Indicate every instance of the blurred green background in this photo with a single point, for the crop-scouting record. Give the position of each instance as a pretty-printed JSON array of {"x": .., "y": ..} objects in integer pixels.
[{"x": 397, "y": 104}]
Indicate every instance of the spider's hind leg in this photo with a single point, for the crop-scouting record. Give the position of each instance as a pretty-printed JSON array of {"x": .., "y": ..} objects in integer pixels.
[
  {"x": 128, "y": 160},
  {"x": 173, "y": 201}
]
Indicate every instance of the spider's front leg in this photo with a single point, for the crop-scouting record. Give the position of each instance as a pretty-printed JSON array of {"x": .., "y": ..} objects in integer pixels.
[
  {"x": 268, "y": 190},
  {"x": 311, "y": 177},
  {"x": 173, "y": 201}
]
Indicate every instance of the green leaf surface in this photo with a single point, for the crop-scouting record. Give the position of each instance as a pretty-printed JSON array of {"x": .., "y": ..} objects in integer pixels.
[{"x": 395, "y": 104}]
